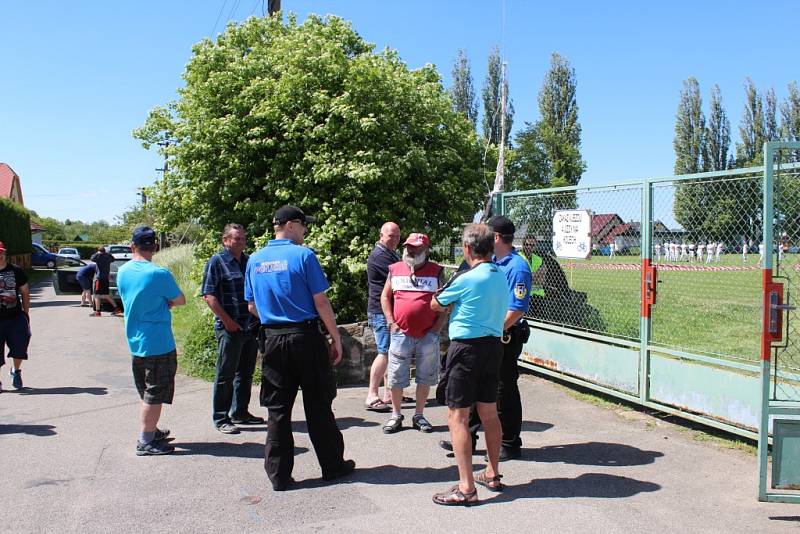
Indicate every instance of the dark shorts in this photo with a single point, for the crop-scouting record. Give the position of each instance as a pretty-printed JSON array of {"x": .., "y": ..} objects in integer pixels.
[
  {"x": 16, "y": 333},
  {"x": 101, "y": 286},
  {"x": 85, "y": 283},
  {"x": 472, "y": 368},
  {"x": 155, "y": 377}
]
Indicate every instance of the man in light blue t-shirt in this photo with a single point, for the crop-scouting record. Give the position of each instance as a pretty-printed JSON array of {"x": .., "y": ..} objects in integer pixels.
[
  {"x": 477, "y": 299},
  {"x": 148, "y": 292}
]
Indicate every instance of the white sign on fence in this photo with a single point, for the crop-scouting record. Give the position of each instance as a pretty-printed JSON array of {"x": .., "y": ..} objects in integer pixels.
[{"x": 572, "y": 234}]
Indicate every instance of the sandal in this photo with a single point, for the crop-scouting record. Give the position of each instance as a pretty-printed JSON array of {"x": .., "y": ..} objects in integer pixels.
[
  {"x": 408, "y": 399},
  {"x": 484, "y": 480},
  {"x": 455, "y": 497},
  {"x": 394, "y": 424},
  {"x": 420, "y": 423},
  {"x": 377, "y": 405}
]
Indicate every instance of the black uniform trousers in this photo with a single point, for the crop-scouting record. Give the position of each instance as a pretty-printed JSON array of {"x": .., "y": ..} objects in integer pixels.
[
  {"x": 292, "y": 360},
  {"x": 509, "y": 404}
]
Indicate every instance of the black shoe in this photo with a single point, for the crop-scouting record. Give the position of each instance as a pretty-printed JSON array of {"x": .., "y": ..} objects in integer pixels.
[
  {"x": 347, "y": 467},
  {"x": 161, "y": 434},
  {"x": 448, "y": 445},
  {"x": 282, "y": 486},
  {"x": 508, "y": 453},
  {"x": 248, "y": 419}
]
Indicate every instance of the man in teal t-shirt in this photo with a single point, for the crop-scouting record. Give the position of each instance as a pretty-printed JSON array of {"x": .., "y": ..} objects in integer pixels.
[
  {"x": 478, "y": 301},
  {"x": 148, "y": 292}
]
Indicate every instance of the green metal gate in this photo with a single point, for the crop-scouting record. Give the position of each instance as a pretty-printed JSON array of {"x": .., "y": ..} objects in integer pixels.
[
  {"x": 667, "y": 312},
  {"x": 780, "y": 344}
]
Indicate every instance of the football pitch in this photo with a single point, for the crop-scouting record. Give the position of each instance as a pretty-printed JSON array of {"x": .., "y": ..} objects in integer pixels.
[{"x": 706, "y": 311}]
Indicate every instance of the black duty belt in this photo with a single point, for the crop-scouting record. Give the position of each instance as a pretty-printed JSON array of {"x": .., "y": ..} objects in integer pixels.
[{"x": 303, "y": 327}]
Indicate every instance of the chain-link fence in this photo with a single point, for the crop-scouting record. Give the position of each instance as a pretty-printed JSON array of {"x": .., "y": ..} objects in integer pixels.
[
  {"x": 786, "y": 269},
  {"x": 706, "y": 238},
  {"x": 600, "y": 295}
]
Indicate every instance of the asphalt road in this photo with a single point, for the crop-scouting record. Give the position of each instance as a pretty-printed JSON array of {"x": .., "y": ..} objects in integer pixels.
[{"x": 67, "y": 444}]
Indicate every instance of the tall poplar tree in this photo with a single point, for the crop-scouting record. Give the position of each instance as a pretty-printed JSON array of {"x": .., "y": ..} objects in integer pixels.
[
  {"x": 790, "y": 115},
  {"x": 462, "y": 91},
  {"x": 558, "y": 129},
  {"x": 771, "y": 130},
  {"x": 751, "y": 130},
  {"x": 690, "y": 126},
  {"x": 491, "y": 100},
  {"x": 717, "y": 135}
]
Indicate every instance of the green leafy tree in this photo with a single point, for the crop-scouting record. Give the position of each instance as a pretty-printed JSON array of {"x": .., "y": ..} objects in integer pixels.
[
  {"x": 491, "y": 94},
  {"x": 690, "y": 126},
  {"x": 308, "y": 114},
  {"x": 751, "y": 129},
  {"x": 530, "y": 167},
  {"x": 462, "y": 91},
  {"x": 558, "y": 131},
  {"x": 717, "y": 136}
]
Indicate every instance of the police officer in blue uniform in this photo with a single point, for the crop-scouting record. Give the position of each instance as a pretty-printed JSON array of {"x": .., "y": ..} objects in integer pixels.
[
  {"x": 285, "y": 288},
  {"x": 515, "y": 333}
]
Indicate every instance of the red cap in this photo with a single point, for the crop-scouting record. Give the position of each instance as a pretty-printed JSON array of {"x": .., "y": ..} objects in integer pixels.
[
  {"x": 417, "y": 240},
  {"x": 2, "y": 247}
]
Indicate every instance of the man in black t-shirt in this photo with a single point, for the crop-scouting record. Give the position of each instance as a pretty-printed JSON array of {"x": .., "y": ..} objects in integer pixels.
[
  {"x": 378, "y": 263},
  {"x": 103, "y": 261},
  {"x": 15, "y": 305}
]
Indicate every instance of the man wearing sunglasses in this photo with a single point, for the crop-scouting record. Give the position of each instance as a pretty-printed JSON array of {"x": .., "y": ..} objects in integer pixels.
[{"x": 285, "y": 288}]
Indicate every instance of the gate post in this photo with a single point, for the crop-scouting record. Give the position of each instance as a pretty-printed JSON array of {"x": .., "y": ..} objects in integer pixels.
[
  {"x": 645, "y": 322},
  {"x": 768, "y": 221}
]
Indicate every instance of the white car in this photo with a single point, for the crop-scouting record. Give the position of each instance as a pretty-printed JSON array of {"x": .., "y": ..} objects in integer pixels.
[
  {"x": 120, "y": 252},
  {"x": 69, "y": 252}
]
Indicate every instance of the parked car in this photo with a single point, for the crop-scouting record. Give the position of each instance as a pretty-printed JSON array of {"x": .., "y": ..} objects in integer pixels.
[
  {"x": 120, "y": 252},
  {"x": 65, "y": 282},
  {"x": 69, "y": 252},
  {"x": 41, "y": 257}
]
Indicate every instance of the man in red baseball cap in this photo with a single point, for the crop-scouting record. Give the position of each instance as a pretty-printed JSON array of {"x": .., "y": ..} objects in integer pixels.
[
  {"x": 15, "y": 305},
  {"x": 414, "y": 327}
]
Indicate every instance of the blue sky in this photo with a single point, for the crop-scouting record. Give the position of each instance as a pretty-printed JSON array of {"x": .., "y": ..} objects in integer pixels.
[{"x": 79, "y": 76}]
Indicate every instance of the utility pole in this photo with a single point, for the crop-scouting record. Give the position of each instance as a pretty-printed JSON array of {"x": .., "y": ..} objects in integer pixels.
[
  {"x": 499, "y": 176},
  {"x": 274, "y": 6}
]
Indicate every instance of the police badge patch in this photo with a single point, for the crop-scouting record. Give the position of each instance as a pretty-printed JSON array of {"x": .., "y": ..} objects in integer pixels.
[{"x": 520, "y": 291}]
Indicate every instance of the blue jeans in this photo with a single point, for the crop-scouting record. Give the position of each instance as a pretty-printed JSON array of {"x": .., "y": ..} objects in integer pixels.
[
  {"x": 425, "y": 349},
  {"x": 236, "y": 361},
  {"x": 380, "y": 329}
]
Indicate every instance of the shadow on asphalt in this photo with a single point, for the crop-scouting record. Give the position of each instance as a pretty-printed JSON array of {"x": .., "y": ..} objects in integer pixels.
[
  {"x": 593, "y": 485},
  {"x": 785, "y": 518},
  {"x": 343, "y": 422},
  {"x": 592, "y": 453},
  {"x": 226, "y": 449},
  {"x": 33, "y": 430},
  {"x": 55, "y": 303},
  {"x": 389, "y": 475},
  {"x": 535, "y": 426},
  {"x": 68, "y": 390}
]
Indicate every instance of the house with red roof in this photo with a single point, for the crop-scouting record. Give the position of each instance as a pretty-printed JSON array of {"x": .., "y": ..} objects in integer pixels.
[{"x": 11, "y": 188}]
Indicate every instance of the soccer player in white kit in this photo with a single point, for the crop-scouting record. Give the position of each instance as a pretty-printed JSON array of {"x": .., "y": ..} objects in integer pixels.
[
  {"x": 710, "y": 248},
  {"x": 720, "y": 246},
  {"x": 658, "y": 252},
  {"x": 701, "y": 247},
  {"x": 761, "y": 249},
  {"x": 744, "y": 251}
]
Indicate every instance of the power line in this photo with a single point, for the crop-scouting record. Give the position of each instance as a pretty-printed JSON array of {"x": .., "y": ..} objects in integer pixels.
[{"x": 218, "y": 16}]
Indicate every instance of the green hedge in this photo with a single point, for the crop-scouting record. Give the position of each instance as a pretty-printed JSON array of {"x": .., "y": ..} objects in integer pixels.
[
  {"x": 84, "y": 249},
  {"x": 15, "y": 227}
]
